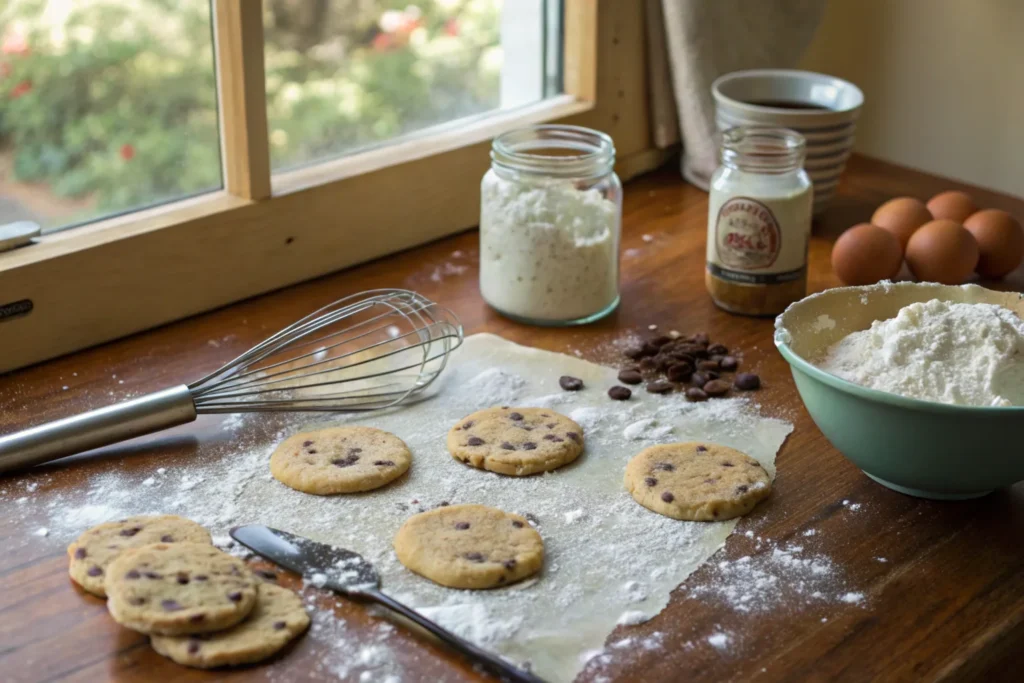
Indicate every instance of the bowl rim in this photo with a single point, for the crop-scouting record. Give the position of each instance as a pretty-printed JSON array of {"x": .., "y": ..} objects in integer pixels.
[
  {"x": 739, "y": 105},
  {"x": 797, "y": 361}
]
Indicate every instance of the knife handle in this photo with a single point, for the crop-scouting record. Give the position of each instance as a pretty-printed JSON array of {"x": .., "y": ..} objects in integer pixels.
[{"x": 492, "y": 663}]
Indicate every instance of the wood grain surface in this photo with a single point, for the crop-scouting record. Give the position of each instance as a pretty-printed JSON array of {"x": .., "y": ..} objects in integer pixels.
[{"x": 947, "y": 605}]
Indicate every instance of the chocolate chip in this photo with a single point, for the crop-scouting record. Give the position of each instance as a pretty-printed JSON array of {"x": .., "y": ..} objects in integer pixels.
[
  {"x": 699, "y": 379},
  {"x": 152, "y": 575},
  {"x": 694, "y": 393},
  {"x": 467, "y": 425},
  {"x": 679, "y": 372},
  {"x": 716, "y": 387},
  {"x": 710, "y": 481},
  {"x": 384, "y": 463},
  {"x": 742, "y": 488},
  {"x": 660, "y": 340},
  {"x": 443, "y": 504},
  {"x": 509, "y": 564},
  {"x": 570, "y": 383},
  {"x": 136, "y": 601},
  {"x": 235, "y": 596},
  {"x": 474, "y": 557},
  {"x": 475, "y": 441},
  {"x": 94, "y": 571},
  {"x": 552, "y": 437},
  {"x": 132, "y": 574},
  {"x": 347, "y": 461},
  {"x": 131, "y": 531},
  {"x": 705, "y": 365},
  {"x": 462, "y": 526},
  {"x": 619, "y": 393},
  {"x": 726, "y": 463},
  {"x": 701, "y": 449},
  {"x": 507, "y": 446},
  {"x": 729, "y": 363},
  {"x": 529, "y": 446},
  {"x": 747, "y": 381},
  {"x": 665, "y": 467},
  {"x": 650, "y": 481},
  {"x": 182, "y": 579},
  {"x": 648, "y": 364},
  {"x": 515, "y": 416},
  {"x": 266, "y": 574},
  {"x": 630, "y": 376},
  {"x": 202, "y": 577},
  {"x": 659, "y": 386},
  {"x": 551, "y": 425},
  {"x": 278, "y": 625},
  {"x": 354, "y": 451},
  {"x": 718, "y": 350},
  {"x": 80, "y": 554},
  {"x": 170, "y": 605},
  {"x": 574, "y": 436},
  {"x": 700, "y": 338},
  {"x": 312, "y": 451},
  {"x": 307, "y": 444},
  {"x": 167, "y": 538},
  {"x": 635, "y": 350},
  {"x": 667, "y": 497},
  {"x": 197, "y": 618},
  {"x": 193, "y": 647},
  {"x": 517, "y": 524}
]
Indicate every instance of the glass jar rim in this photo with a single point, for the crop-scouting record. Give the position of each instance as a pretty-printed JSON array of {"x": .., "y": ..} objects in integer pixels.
[
  {"x": 516, "y": 151},
  {"x": 763, "y": 149}
]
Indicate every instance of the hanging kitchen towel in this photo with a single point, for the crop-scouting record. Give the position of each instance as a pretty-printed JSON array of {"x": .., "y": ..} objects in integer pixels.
[{"x": 704, "y": 39}]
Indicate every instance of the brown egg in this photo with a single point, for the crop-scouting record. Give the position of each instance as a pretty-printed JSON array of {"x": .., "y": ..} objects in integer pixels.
[
  {"x": 942, "y": 251},
  {"x": 865, "y": 254},
  {"x": 953, "y": 205},
  {"x": 1000, "y": 241},
  {"x": 901, "y": 216}
]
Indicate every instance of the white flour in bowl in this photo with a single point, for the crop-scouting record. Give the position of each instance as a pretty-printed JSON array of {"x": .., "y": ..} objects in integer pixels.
[{"x": 956, "y": 353}]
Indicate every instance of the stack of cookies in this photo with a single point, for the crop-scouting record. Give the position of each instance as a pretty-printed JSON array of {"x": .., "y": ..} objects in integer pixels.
[{"x": 201, "y": 607}]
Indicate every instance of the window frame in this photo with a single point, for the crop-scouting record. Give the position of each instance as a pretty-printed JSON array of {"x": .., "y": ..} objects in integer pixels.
[{"x": 125, "y": 274}]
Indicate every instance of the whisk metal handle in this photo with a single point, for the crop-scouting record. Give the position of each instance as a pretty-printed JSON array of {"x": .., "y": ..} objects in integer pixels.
[{"x": 102, "y": 427}]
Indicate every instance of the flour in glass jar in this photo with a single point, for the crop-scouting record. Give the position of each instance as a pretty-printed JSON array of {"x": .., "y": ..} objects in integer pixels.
[{"x": 548, "y": 251}]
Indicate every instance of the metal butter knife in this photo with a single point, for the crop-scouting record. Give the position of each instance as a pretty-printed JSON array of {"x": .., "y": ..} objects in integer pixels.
[{"x": 349, "y": 574}]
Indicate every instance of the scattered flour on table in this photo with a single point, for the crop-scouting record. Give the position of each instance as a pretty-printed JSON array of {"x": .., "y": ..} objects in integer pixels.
[
  {"x": 589, "y": 524},
  {"x": 955, "y": 353}
]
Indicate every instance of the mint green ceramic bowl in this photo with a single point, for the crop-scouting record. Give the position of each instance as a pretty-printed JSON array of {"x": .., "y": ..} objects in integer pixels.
[{"x": 925, "y": 449}]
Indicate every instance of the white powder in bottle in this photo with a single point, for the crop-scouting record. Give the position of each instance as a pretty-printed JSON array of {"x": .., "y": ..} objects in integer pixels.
[
  {"x": 548, "y": 251},
  {"x": 955, "y": 353}
]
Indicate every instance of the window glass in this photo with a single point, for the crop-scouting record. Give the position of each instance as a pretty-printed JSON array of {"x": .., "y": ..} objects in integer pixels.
[
  {"x": 105, "y": 106},
  {"x": 344, "y": 75}
]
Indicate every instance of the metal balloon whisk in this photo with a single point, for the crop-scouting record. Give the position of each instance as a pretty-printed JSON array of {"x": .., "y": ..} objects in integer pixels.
[{"x": 365, "y": 352}]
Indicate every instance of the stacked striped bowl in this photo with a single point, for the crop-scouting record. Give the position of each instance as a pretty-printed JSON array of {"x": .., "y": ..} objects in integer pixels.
[{"x": 822, "y": 108}]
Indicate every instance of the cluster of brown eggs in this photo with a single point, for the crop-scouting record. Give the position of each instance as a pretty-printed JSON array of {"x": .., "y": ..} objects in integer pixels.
[{"x": 946, "y": 240}]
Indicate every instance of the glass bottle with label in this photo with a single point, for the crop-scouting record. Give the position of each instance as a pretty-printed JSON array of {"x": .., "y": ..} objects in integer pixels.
[{"x": 759, "y": 221}]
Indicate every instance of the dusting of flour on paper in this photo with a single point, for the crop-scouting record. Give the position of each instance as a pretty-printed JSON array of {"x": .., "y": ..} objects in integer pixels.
[{"x": 608, "y": 561}]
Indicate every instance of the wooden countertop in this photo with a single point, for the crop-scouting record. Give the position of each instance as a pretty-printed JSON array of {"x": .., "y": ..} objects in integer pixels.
[{"x": 948, "y": 604}]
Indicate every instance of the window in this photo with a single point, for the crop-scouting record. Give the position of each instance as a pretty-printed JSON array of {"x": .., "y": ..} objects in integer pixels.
[
  {"x": 303, "y": 137},
  {"x": 105, "y": 106},
  {"x": 347, "y": 75}
]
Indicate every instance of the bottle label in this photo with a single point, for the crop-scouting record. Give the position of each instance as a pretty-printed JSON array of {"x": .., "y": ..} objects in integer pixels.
[{"x": 746, "y": 243}]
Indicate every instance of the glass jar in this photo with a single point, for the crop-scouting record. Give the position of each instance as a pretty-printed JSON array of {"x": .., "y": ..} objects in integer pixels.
[
  {"x": 759, "y": 221},
  {"x": 550, "y": 223}
]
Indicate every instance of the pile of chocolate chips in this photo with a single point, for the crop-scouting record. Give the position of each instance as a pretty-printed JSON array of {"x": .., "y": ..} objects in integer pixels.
[{"x": 690, "y": 364}]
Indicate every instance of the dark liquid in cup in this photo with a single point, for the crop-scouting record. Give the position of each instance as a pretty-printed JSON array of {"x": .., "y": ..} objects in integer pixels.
[{"x": 788, "y": 104}]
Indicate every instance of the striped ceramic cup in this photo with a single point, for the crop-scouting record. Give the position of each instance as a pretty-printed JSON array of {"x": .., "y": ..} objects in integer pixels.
[{"x": 822, "y": 108}]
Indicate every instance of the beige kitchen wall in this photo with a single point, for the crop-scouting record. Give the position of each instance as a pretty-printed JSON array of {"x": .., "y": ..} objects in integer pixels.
[{"x": 943, "y": 82}]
